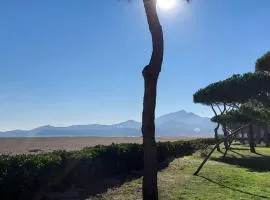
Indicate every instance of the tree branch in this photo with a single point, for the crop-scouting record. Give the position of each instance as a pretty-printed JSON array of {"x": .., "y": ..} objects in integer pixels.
[
  {"x": 219, "y": 108},
  {"x": 213, "y": 109}
]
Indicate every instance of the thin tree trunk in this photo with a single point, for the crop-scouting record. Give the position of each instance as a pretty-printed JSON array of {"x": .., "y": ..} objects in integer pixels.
[
  {"x": 266, "y": 136},
  {"x": 150, "y": 75},
  {"x": 216, "y": 136},
  {"x": 224, "y": 128},
  {"x": 251, "y": 138},
  {"x": 257, "y": 135},
  {"x": 216, "y": 129},
  {"x": 242, "y": 137},
  {"x": 229, "y": 145},
  {"x": 268, "y": 139}
]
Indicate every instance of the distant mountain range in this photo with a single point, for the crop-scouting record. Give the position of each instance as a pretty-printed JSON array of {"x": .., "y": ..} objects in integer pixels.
[{"x": 179, "y": 123}]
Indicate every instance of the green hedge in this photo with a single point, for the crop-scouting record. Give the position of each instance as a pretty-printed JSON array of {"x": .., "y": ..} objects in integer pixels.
[{"x": 27, "y": 176}]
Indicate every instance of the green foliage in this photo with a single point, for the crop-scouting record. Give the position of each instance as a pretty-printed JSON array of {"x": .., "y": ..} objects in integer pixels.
[
  {"x": 21, "y": 175},
  {"x": 24, "y": 176},
  {"x": 236, "y": 89},
  {"x": 263, "y": 63},
  {"x": 250, "y": 90}
]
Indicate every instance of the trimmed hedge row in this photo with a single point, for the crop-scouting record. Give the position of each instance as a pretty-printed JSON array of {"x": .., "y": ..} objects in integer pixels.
[{"x": 30, "y": 176}]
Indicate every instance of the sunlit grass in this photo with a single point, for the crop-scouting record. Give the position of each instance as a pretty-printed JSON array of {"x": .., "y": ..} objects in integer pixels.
[{"x": 232, "y": 179}]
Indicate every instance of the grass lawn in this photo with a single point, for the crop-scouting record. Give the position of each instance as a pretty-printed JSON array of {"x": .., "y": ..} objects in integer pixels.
[{"x": 241, "y": 175}]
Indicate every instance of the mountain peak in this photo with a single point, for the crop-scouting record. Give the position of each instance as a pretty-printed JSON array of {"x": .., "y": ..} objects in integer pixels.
[
  {"x": 130, "y": 121},
  {"x": 180, "y": 117},
  {"x": 180, "y": 112},
  {"x": 185, "y": 112},
  {"x": 128, "y": 124},
  {"x": 176, "y": 123},
  {"x": 44, "y": 127}
]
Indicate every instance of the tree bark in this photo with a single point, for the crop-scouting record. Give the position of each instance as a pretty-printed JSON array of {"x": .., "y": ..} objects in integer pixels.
[
  {"x": 229, "y": 145},
  {"x": 216, "y": 129},
  {"x": 257, "y": 135},
  {"x": 242, "y": 137},
  {"x": 224, "y": 128},
  {"x": 150, "y": 75},
  {"x": 216, "y": 136},
  {"x": 251, "y": 138},
  {"x": 266, "y": 136}
]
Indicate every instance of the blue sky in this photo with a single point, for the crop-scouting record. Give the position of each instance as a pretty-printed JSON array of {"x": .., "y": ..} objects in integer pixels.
[{"x": 79, "y": 62}]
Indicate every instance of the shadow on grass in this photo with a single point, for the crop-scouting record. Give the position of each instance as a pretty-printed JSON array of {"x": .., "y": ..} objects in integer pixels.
[
  {"x": 234, "y": 189},
  {"x": 96, "y": 187},
  {"x": 235, "y": 152},
  {"x": 259, "y": 154},
  {"x": 237, "y": 143},
  {"x": 253, "y": 163},
  {"x": 240, "y": 148}
]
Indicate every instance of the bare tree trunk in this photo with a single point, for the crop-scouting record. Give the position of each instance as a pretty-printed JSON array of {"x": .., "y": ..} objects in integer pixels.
[
  {"x": 224, "y": 128},
  {"x": 257, "y": 135},
  {"x": 216, "y": 136},
  {"x": 251, "y": 138},
  {"x": 268, "y": 139},
  {"x": 229, "y": 145},
  {"x": 242, "y": 137},
  {"x": 150, "y": 75},
  {"x": 216, "y": 129},
  {"x": 266, "y": 136}
]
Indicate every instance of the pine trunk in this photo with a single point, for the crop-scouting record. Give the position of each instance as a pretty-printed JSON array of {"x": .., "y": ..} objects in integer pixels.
[
  {"x": 251, "y": 138},
  {"x": 242, "y": 137},
  {"x": 225, "y": 135},
  {"x": 150, "y": 190},
  {"x": 216, "y": 136},
  {"x": 266, "y": 136},
  {"x": 150, "y": 75}
]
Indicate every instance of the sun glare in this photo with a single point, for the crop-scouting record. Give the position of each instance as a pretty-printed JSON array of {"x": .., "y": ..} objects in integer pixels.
[{"x": 166, "y": 4}]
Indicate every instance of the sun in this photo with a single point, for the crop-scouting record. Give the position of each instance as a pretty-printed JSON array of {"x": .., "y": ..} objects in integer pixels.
[{"x": 166, "y": 4}]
